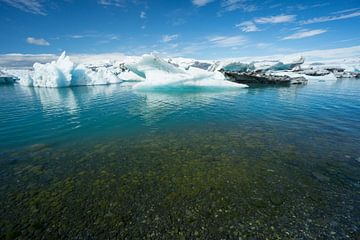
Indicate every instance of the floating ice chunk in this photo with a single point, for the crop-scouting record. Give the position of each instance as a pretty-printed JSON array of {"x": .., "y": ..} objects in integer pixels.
[
  {"x": 161, "y": 74},
  {"x": 55, "y": 74},
  {"x": 239, "y": 67},
  {"x": 85, "y": 76},
  {"x": 150, "y": 63},
  {"x": 6, "y": 78},
  {"x": 26, "y": 80},
  {"x": 259, "y": 65},
  {"x": 22, "y": 76},
  {"x": 64, "y": 73},
  {"x": 329, "y": 77}
]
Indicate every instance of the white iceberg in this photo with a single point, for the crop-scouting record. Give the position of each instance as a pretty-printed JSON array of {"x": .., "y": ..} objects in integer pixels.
[
  {"x": 158, "y": 73},
  {"x": 149, "y": 70},
  {"x": 55, "y": 74},
  {"x": 153, "y": 72},
  {"x": 83, "y": 76},
  {"x": 64, "y": 73},
  {"x": 328, "y": 78}
]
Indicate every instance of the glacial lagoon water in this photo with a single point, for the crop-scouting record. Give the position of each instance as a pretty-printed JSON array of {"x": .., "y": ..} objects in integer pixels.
[{"x": 109, "y": 162}]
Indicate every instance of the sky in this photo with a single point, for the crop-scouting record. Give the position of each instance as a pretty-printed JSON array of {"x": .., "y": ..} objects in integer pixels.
[{"x": 203, "y": 29}]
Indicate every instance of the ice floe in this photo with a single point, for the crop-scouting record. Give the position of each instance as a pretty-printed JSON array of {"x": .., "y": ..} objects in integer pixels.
[{"x": 158, "y": 73}]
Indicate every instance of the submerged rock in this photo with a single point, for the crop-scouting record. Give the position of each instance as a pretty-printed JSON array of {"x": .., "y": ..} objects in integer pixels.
[
  {"x": 277, "y": 199},
  {"x": 321, "y": 177},
  {"x": 38, "y": 147}
]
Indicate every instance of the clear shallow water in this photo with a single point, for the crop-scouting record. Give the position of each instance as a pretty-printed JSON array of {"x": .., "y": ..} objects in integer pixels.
[{"x": 110, "y": 162}]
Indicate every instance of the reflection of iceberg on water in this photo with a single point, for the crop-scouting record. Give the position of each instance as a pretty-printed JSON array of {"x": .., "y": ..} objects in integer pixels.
[
  {"x": 158, "y": 105},
  {"x": 159, "y": 74},
  {"x": 54, "y": 99}
]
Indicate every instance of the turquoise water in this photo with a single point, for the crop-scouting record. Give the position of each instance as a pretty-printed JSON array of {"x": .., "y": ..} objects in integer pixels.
[{"x": 110, "y": 162}]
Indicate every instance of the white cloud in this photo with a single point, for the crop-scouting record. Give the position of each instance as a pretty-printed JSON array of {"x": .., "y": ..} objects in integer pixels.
[
  {"x": 305, "y": 34},
  {"x": 30, "y": 6},
  {"x": 346, "y": 10},
  {"x": 24, "y": 60},
  {"x": 169, "y": 38},
  {"x": 101, "y": 37},
  {"x": 262, "y": 45},
  {"x": 276, "y": 19},
  {"x": 227, "y": 41},
  {"x": 116, "y": 3},
  {"x": 331, "y": 18},
  {"x": 349, "y": 54},
  {"x": 248, "y": 26},
  {"x": 77, "y": 36},
  {"x": 232, "y": 5},
  {"x": 37, "y": 41},
  {"x": 143, "y": 15},
  {"x": 201, "y": 3}
]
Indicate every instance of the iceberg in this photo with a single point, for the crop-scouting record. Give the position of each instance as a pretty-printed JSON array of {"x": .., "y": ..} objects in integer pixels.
[
  {"x": 64, "y": 73},
  {"x": 256, "y": 66},
  {"x": 7, "y": 78},
  {"x": 149, "y": 71},
  {"x": 153, "y": 72},
  {"x": 83, "y": 76},
  {"x": 55, "y": 74},
  {"x": 319, "y": 78},
  {"x": 160, "y": 74}
]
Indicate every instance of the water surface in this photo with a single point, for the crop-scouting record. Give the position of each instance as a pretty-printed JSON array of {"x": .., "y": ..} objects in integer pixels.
[{"x": 108, "y": 162}]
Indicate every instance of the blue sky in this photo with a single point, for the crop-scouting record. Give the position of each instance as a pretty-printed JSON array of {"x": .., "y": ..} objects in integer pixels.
[{"x": 189, "y": 28}]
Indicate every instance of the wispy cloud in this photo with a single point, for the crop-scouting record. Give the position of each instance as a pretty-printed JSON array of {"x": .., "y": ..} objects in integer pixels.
[
  {"x": 276, "y": 19},
  {"x": 201, "y": 3},
  {"x": 169, "y": 38},
  {"x": 248, "y": 26},
  {"x": 180, "y": 16},
  {"x": 30, "y": 6},
  {"x": 302, "y": 7},
  {"x": 37, "y": 41},
  {"x": 227, "y": 41},
  {"x": 95, "y": 35},
  {"x": 116, "y": 3},
  {"x": 305, "y": 34},
  {"x": 346, "y": 10},
  {"x": 143, "y": 15},
  {"x": 77, "y": 36},
  {"x": 331, "y": 18},
  {"x": 232, "y": 5}
]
